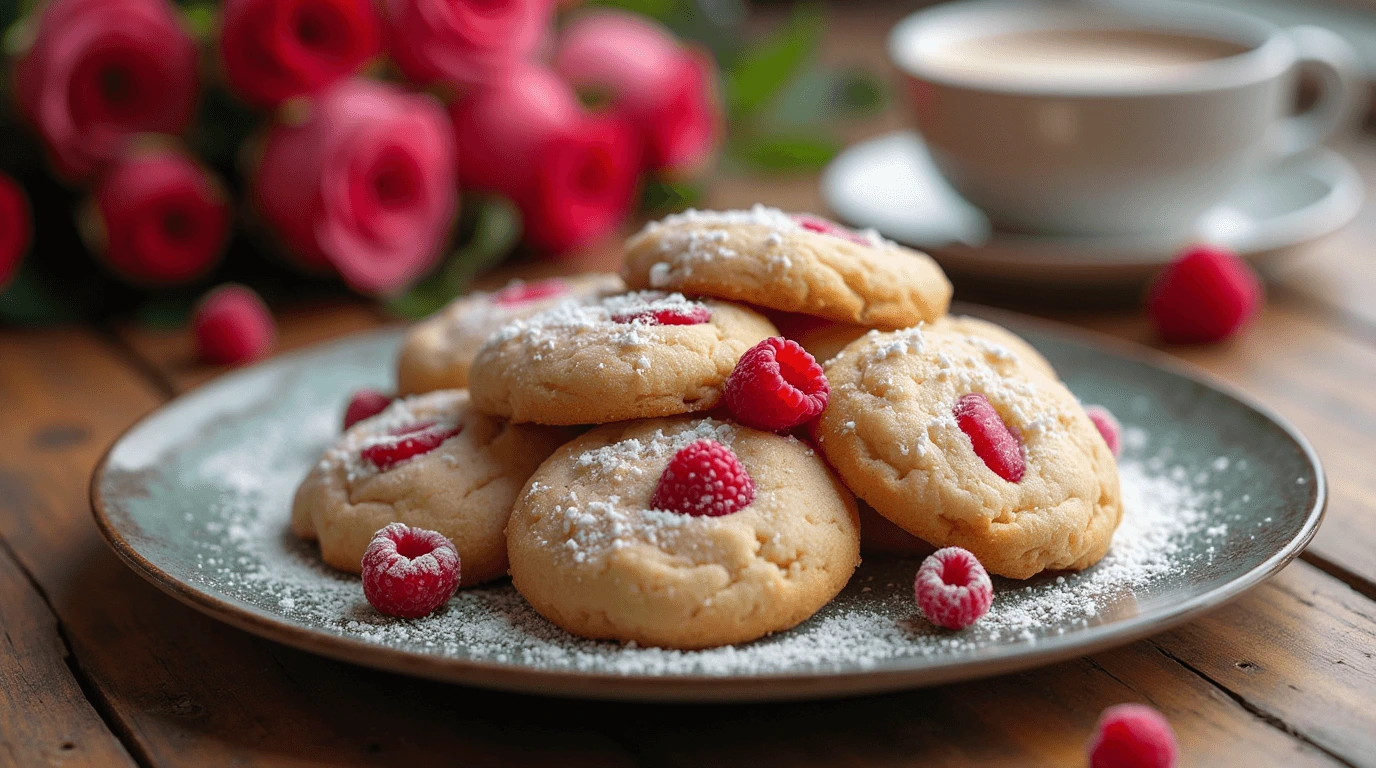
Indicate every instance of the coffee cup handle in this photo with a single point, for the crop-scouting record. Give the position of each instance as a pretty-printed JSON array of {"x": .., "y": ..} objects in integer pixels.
[{"x": 1332, "y": 61}]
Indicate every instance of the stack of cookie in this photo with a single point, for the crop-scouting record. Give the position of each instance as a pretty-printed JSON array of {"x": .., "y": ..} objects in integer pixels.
[{"x": 697, "y": 509}]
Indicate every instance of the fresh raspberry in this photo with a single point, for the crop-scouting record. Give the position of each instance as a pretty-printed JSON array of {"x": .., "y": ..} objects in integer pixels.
[
  {"x": 1108, "y": 426},
  {"x": 365, "y": 403},
  {"x": 825, "y": 227},
  {"x": 952, "y": 588},
  {"x": 411, "y": 441},
  {"x": 524, "y": 293},
  {"x": 232, "y": 325},
  {"x": 1132, "y": 736},
  {"x": 687, "y": 316},
  {"x": 776, "y": 385},
  {"x": 704, "y": 478},
  {"x": 409, "y": 572},
  {"x": 993, "y": 440},
  {"x": 1205, "y": 295}
]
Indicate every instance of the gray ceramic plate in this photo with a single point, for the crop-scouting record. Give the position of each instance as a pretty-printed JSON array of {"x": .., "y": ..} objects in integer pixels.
[{"x": 1219, "y": 494}]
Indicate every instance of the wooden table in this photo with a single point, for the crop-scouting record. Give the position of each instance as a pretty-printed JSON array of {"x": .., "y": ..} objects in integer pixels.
[{"x": 98, "y": 667}]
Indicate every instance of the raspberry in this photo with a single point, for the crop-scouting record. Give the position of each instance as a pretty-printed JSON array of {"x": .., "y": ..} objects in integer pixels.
[
  {"x": 232, "y": 325},
  {"x": 1205, "y": 295},
  {"x": 994, "y": 442},
  {"x": 524, "y": 293},
  {"x": 776, "y": 385},
  {"x": 365, "y": 403},
  {"x": 704, "y": 478},
  {"x": 1132, "y": 736},
  {"x": 409, "y": 572},
  {"x": 1108, "y": 426},
  {"x": 688, "y": 316},
  {"x": 822, "y": 226},
  {"x": 952, "y": 588},
  {"x": 411, "y": 441}
]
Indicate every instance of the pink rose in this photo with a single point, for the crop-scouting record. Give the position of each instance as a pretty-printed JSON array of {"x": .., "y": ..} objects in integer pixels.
[
  {"x": 275, "y": 49},
  {"x": 463, "y": 42},
  {"x": 15, "y": 228},
  {"x": 668, "y": 92},
  {"x": 164, "y": 219},
  {"x": 572, "y": 174},
  {"x": 364, "y": 186},
  {"x": 100, "y": 71}
]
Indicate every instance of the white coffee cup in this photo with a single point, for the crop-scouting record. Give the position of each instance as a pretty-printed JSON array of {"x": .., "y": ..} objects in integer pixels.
[{"x": 1100, "y": 118}]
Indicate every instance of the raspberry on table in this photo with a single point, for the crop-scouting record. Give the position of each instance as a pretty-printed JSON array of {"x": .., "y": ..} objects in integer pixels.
[
  {"x": 524, "y": 293},
  {"x": 994, "y": 442},
  {"x": 704, "y": 478},
  {"x": 1108, "y": 426},
  {"x": 1132, "y": 736},
  {"x": 686, "y": 316},
  {"x": 825, "y": 227},
  {"x": 1205, "y": 295},
  {"x": 776, "y": 385},
  {"x": 232, "y": 325},
  {"x": 409, "y": 572},
  {"x": 953, "y": 589},
  {"x": 411, "y": 441},
  {"x": 365, "y": 403}
]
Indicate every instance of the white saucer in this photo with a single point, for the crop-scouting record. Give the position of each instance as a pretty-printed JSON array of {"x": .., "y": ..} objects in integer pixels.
[{"x": 890, "y": 184}]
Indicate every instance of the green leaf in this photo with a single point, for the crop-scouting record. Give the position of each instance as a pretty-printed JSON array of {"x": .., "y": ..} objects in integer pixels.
[
  {"x": 822, "y": 95},
  {"x": 29, "y": 301},
  {"x": 861, "y": 93},
  {"x": 765, "y": 69},
  {"x": 166, "y": 312},
  {"x": 660, "y": 10},
  {"x": 200, "y": 17},
  {"x": 786, "y": 152},
  {"x": 496, "y": 226},
  {"x": 660, "y": 196}
]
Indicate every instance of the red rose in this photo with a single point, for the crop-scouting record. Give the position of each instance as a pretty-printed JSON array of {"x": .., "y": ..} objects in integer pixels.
[
  {"x": 100, "y": 71},
  {"x": 15, "y": 228},
  {"x": 164, "y": 219},
  {"x": 572, "y": 174},
  {"x": 464, "y": 42},
  {"x": 365, "y": 186},
  {"x": 667, "y": 91},
  {"x": 275, "y": 49}
]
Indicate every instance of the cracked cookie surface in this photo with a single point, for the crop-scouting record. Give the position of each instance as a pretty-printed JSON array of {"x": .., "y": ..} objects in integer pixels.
[
  {"x": 611, "y": 360},
  {"x": 438, "y": 350},
  {"x": 464, "y": 488},
  {"x": 766, "y": 257},
  {"x": 891, "y": 433},
  {"x": 589, "y": 554}
]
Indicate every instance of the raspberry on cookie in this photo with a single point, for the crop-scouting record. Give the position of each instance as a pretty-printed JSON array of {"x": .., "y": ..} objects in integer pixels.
[
  {"x": 682, "y": 533},
  {"x": 635, "y": 356},
  {"x": 430, "y": 461},
  {"x": 962, "y": 441},
  {"x": 793, "y": 263},
  {"x": 438, "y": 350}
]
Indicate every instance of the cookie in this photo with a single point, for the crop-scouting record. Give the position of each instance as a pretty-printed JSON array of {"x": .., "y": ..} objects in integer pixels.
[
  {"x": 892, "y": 432},
  {"x": 437, "y": 351},
  {"x": 463, "y": 487},
  {"x": 878, "y": 536},
  {"x": 1000, "y": 337},
  {"x": 820, "y": 337},
  {"x": 793, "y": 263},
  {"x": 639, "y": 355},
  {"x": 588, "y": 552}
]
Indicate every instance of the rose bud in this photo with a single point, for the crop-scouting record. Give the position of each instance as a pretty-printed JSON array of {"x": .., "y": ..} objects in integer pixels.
[
  {"x": 462, "y": 42},
  {"x": 162, "y": 219},
  {"x": 275, "y": 49},
  {"x": 668, "y": 92},
  {"x": 526, "y": 136},
  {"x": 100, "y": 71},
  {"x": 364, "y": 186},
  {"x": 16, "y": 228}
]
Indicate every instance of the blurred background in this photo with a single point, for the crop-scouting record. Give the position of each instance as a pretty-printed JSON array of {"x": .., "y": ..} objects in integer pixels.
[{"x": 397, "y": 150}]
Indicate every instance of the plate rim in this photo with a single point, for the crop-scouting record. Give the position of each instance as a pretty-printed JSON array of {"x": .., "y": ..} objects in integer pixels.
[{"x": 722, "y": 688}]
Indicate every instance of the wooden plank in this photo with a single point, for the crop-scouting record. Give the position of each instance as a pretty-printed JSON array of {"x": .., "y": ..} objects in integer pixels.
[
  {"x": 45, "y": 718},
  {"x": 184, "y": 689},
  {"x": 1301, "y": 652}
]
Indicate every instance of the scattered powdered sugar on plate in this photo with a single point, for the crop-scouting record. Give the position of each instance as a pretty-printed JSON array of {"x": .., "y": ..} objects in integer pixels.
[{"x": 247, "y": 552}]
